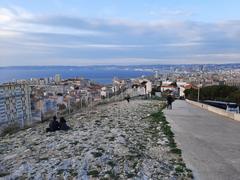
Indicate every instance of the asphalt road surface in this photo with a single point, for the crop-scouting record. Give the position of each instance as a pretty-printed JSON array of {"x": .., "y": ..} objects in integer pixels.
[{"x": 210, "y": 143}]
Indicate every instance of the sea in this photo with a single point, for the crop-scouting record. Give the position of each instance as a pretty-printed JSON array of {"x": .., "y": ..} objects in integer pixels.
[{"x": 103, "y": 75}]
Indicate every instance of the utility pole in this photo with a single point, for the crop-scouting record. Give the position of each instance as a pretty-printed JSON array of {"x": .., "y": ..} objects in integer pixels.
[
  {"x": 41, "y": 111},
  {"x": 198, "y": 92},
  {"x": 91, "y": 102},
  {"x": 69, "y": 108},
  {"x": 81, "y": 102}
]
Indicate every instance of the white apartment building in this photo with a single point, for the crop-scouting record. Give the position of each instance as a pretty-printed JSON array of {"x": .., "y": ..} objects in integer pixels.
[
  {"x": 15, "y": 104},
  {"x": 142, "y": 87}
]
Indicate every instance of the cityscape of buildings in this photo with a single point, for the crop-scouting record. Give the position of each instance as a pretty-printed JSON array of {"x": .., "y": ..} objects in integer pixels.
[{"x": 38, "y": 99}]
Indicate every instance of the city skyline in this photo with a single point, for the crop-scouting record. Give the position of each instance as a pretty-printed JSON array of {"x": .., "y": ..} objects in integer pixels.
[{"x": 118, "y": 32}]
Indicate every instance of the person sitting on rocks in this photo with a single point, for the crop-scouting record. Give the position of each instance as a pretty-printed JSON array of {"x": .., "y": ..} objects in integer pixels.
[
  {"x": 53, "y": 125},
  {"x": 63, "y": 124}
]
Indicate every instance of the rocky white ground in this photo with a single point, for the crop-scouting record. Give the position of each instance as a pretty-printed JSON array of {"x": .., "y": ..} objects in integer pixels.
[{"x": 114, "y": 141}]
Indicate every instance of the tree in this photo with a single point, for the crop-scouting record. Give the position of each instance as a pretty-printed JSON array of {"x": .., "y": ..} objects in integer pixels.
[
  {"x": 191, "y": 94},
  {"x": 235, "y": 97},
  {"x": 217, "y": 93}
]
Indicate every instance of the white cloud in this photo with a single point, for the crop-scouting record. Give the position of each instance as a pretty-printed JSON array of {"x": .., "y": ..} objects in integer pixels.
[
  {"x": 78, "y": 45},
  {"x": 6, "y": 15},
  {"x": 170, "y": 13},
  {"x": 16, "y": 20},
  {"x": 7, "y": 34},
  {"x": 43, "y": 39},
  {"x": 13, "y": 14}
]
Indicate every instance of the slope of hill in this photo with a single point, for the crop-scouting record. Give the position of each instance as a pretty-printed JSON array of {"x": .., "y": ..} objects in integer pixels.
[{"x": 114, "y": 141}]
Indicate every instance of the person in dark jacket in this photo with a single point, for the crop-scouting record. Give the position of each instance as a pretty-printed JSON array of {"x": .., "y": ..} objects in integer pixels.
[
  {"x": 53, "y": 125},
  {"x": 128, "y": 98},
  {"x": 169, "y": 101},
  {"x": 63, "y": 124}
]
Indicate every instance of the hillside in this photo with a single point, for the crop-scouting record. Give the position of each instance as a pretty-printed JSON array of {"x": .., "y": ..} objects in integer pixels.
[{"x": 115, "y": 141}]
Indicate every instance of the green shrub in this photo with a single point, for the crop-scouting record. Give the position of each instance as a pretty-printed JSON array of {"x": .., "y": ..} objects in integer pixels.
[
  {"x": 10, "y": 129},
  {"x": 93, "y": 173}
]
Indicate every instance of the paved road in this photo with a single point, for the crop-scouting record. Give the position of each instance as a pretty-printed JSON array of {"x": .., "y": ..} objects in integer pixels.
[{"x": 210, "y": 143}]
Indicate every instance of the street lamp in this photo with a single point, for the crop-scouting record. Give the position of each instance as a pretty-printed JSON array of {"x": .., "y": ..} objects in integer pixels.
[
  {"x": 199, "y": 86},
  {"x": 69, "y": 108}
]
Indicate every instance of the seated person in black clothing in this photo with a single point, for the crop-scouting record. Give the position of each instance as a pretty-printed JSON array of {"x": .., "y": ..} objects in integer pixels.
[
  {"x": 53, "y": 125},
  {"x": 63, "y": 124}
]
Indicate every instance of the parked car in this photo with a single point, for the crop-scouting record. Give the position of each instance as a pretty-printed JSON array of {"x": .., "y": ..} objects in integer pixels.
[
  {"x": 228, "y": 106},
  {"x": 232, "y": 107}
]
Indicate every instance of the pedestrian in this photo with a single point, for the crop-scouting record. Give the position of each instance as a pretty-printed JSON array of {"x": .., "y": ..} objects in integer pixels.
[
  {"x": 169, "y": 101},
  {"x": 53, "y": 125},
  {"x": 128, "y": 98},
  {"x": 63, "y": 124}
]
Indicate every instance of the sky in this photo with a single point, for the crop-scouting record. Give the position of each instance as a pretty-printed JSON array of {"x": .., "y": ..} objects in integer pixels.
[{"x": 119, "y": 32}]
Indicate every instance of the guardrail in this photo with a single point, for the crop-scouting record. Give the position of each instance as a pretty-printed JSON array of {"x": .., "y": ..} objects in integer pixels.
[{"x": 219, "y": 111}]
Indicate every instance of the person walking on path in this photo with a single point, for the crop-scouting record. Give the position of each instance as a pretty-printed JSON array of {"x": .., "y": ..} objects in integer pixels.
[
  {"x": 128, "y": 98},
  {"x": 169, "y": 101}
]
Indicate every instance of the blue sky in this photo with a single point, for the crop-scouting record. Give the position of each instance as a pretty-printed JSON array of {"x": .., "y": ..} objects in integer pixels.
[{"x": 81, "y": 32}]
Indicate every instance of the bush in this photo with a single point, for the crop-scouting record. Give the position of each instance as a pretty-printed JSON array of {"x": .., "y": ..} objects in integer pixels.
[
  {"x": 217, "y": 93},
  {"x": 10, "y": 129},
  {"x": 93, "y": 173}
]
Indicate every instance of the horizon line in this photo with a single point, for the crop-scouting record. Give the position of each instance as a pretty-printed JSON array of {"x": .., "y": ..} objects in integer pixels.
[{"x": 119, "y": 65}]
